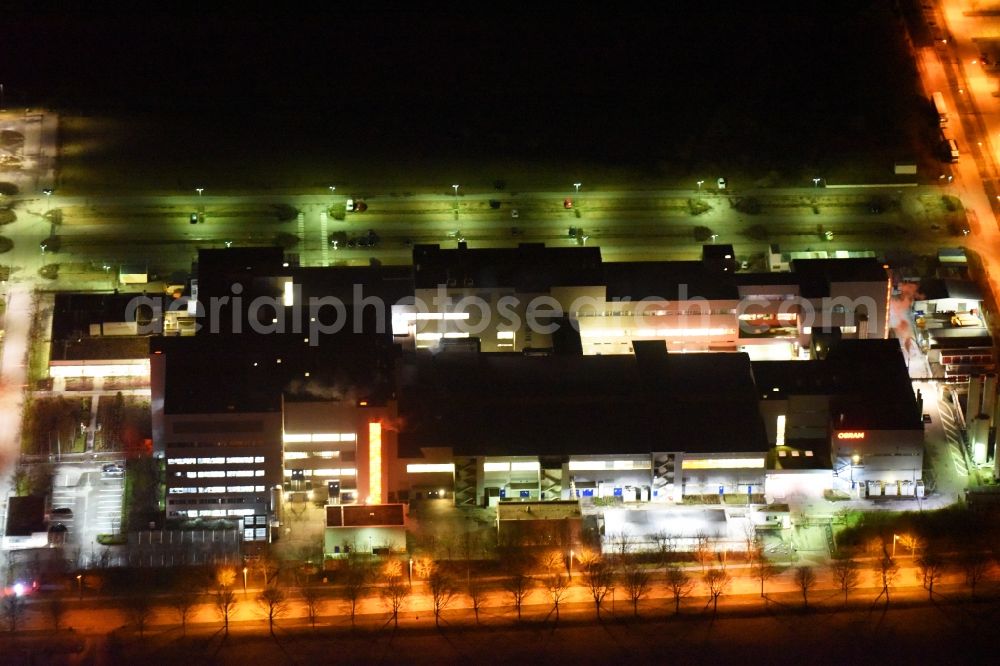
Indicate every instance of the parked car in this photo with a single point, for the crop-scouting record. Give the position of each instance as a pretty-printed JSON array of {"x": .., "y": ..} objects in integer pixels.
[
  {"x": 494, "y": 204},
  {"x": 567, "y": 203},
  {"x": 193, "y": 219},
  {"x": 360, "y": 206},
  {"x": 513, "y": 213},
  {"x": 112, "y": 469},
  {"x": 64, "y": 511},
  {"x": 927, "y": 418},
  {"x": 349, "y": 205}
]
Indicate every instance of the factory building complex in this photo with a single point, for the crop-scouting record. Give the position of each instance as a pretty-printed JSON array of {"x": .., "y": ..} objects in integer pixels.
[{"x": 527, "y": 374}]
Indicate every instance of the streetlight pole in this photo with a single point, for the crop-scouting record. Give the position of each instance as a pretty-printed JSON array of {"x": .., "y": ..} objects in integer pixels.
[
  {"x": 816, "y": 182},
  {"x": 245, "y": 581},
  {"x": 79, "y": 585},
  {"x": 700, "y": 183},
  {"x": 571, "y": 554},
  {"x": 199, "y": 190},
  {"x": 333, "y": 189},
  {"x": 577, "y": 186}
]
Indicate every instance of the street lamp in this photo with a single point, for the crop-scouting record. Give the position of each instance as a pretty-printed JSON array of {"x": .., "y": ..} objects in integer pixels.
[
  {"x": 333, "y": 188},
  {"x": 48, "y": 198},
  {"x": 456, "y": 190},
  {"x": 79, "y": 585},
  {"x": 577, "y": 186},
  {"x": 409, "y": 575},
  {"x": 700, "y": 183},
  {"x": 199, "y": 190},
  {"x": 245, "y": 570},
  {"x": 816, "y": 182},
  {"x": 714, "y": 236},
  {"x": 571, "y": 555}
]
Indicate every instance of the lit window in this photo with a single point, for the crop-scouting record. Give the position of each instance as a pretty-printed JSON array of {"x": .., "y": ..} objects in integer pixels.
[
  {"x": 240, "y": 472},
  {"x": 429, "y": 468},
  {"x": 182, "y": 461},
  {"x": 241, "y": 460},
  {"x": 211, "y": 461},
  {"x": 212, "y": 489},
  {"x": 505, "y": 335},
  {"x": 723, "y": 463},
  {"x": 211, "y": 475}
]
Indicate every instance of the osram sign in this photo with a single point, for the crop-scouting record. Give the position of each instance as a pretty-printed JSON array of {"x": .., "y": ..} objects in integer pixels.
[{"x": 848, "y": 434}]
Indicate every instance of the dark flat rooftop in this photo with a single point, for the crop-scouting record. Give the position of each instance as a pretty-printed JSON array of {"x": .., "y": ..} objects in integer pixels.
[
  {"x": 868, "y": 379},
  {"x": 669, "y": 280},
  {"x": 528, "y": 268},
  {"x": 499, "y": 404}
]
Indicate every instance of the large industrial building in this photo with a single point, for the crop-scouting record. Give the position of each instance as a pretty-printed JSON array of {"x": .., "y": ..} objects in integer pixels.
[
  {"x": 620, "y": 400},
  {"x": 537, "y": 298}
]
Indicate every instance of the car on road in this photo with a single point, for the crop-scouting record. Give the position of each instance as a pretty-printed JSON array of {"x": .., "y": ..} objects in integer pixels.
[
  {"x": 193, "y": 219},
  {"x": 722, "y": 182},
  {"x": 360, "y": 206},
  {"x": 112, "y": 469},
  {"x": 513, "y": 213},
  {"x": 494, "y": 204},
  {"x": 567, "y": 203},
  {"x": 927, "y": 418},
  {"x": 349, "y": 205}
]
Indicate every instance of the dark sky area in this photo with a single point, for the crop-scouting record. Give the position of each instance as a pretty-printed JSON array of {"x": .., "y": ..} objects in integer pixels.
[{"x": 686, "y": 83}]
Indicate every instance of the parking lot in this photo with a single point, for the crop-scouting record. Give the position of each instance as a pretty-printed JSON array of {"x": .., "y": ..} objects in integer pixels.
[{"x": 93, "y": 492}]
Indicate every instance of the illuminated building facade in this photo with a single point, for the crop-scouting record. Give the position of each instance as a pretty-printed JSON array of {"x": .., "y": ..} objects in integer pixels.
[{"x": 492, "y": 296}]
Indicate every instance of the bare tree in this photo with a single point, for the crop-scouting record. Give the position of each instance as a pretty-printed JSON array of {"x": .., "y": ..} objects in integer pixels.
[
  {"x": 476, "y": 592},
  {"x": 846, "y": 574},
  {"x": 557, "y": 585},
  {"x": 761, "y": 568},
  {"x": 750, "y": 539},
  {"x": 56, "y": 608},
  {"x": 518, "y": 585},
  {"x": 138, "y": 609},
  {"x": 599, "y": 579},
  {"x": 442, "y": 589},
  {"x": 225, "y": 604},
  {"x": 680, "y": 585},
  {"x": 274, "y": 602},
  {"x": 554, "y": 561},
  {"x": 975, "y": 564},
  {"x": 393, "y": 594},
  {"x": 716, "y": 580},
  {"x": 12, "y": 608},
  {"x": 637, "y": 582},
  {"x": 354, "y": 587},
  {"x": 623, "y": 543},
  {"x": 313, "y": 602},
  {"x": 225, "y": 576},
  {"x": 665, "y": 546},
  {"x": 183, "y": 604},
  {"x": 703, "y": 550},
  {"x": 931, "y": 567},
  {"x": 887, "y": 570},
  {"x": 805, "y": 580}
]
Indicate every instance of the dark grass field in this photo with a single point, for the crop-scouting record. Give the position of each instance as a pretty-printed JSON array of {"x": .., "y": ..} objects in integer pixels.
[{"x": 764, "y": 93}]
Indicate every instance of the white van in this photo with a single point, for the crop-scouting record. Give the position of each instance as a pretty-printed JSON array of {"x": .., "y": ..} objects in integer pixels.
[{"x": 349, "y": 206}]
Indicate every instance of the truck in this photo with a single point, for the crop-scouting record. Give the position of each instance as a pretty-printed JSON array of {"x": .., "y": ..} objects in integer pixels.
[{"x": 941, "y": 108}]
